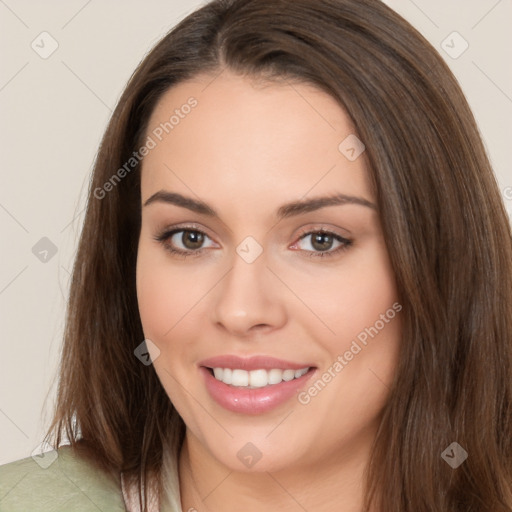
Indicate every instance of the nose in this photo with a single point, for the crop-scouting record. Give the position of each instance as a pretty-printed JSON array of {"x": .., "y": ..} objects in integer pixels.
[{"x": 249, "y": 299}]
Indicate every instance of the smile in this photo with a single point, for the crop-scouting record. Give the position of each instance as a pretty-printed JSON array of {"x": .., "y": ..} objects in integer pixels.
[{"x": 253, "y": 385}]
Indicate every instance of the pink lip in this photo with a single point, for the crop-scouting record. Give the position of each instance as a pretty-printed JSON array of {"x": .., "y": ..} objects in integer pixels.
[
  {"x": 252, "y": 363},
  {"x": 252, "y": 401}
]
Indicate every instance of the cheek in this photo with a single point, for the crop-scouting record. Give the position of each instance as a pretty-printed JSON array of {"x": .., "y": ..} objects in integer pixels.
[
  {"x": 158, "y": 292},
  {"x": 171, "y": 295},
  {"x": 364, "y": 313},
  {"x": 345, "y": 298},
  {"x": 155, "y": 301},
  {"x": 356, "y": 316}
]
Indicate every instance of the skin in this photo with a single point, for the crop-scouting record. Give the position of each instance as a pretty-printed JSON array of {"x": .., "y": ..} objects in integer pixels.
[{"x": 247, "y": 148}]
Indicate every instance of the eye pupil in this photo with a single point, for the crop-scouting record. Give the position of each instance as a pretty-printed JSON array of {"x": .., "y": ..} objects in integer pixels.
[
  {"x": 322, "y": 241},
  {"x": 194, "y": 237}
]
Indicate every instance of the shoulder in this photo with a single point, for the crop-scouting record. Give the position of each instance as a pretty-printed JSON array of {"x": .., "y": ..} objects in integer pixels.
[{"x": 69, "y": 482}]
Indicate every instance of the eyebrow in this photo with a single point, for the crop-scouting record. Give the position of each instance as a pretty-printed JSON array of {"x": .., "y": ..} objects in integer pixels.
[{"x": 287, "y": 210}]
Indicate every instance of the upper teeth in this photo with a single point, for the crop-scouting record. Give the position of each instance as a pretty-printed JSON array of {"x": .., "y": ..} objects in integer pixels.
[{"x": 256, "y": 378}]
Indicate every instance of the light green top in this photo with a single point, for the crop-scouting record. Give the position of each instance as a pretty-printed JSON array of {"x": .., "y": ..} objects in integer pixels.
[{"x": 68, "y": 483}]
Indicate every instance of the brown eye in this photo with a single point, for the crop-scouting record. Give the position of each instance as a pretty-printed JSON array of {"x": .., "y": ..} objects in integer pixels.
[
  {"x": 322, "y": 242},
  {"x": 192, "y": 239},
  {"x": 183, "y": 242}
]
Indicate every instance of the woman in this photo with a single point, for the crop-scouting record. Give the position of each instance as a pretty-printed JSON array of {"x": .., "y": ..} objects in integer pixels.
[{"x": 293, "y": 218}]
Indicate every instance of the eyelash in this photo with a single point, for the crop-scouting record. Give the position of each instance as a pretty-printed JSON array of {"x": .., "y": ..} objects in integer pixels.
[{"x": 164, "y": 236}]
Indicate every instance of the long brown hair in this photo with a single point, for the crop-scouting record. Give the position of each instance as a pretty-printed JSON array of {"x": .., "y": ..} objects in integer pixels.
[{"x": 444, "y": 222}]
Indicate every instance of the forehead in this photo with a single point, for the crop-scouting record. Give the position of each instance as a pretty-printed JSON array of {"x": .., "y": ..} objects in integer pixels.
[{"x": 229, "y": 138}]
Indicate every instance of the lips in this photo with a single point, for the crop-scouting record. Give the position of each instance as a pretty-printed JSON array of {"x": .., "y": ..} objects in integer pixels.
[{"x": 238, "y": 396}]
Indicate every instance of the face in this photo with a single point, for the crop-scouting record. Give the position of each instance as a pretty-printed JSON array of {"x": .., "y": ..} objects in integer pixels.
[{"x": 245, "y": 275}]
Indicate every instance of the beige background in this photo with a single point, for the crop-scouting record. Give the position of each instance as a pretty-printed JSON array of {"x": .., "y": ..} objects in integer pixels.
[{"x": 54, "y": 110}]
